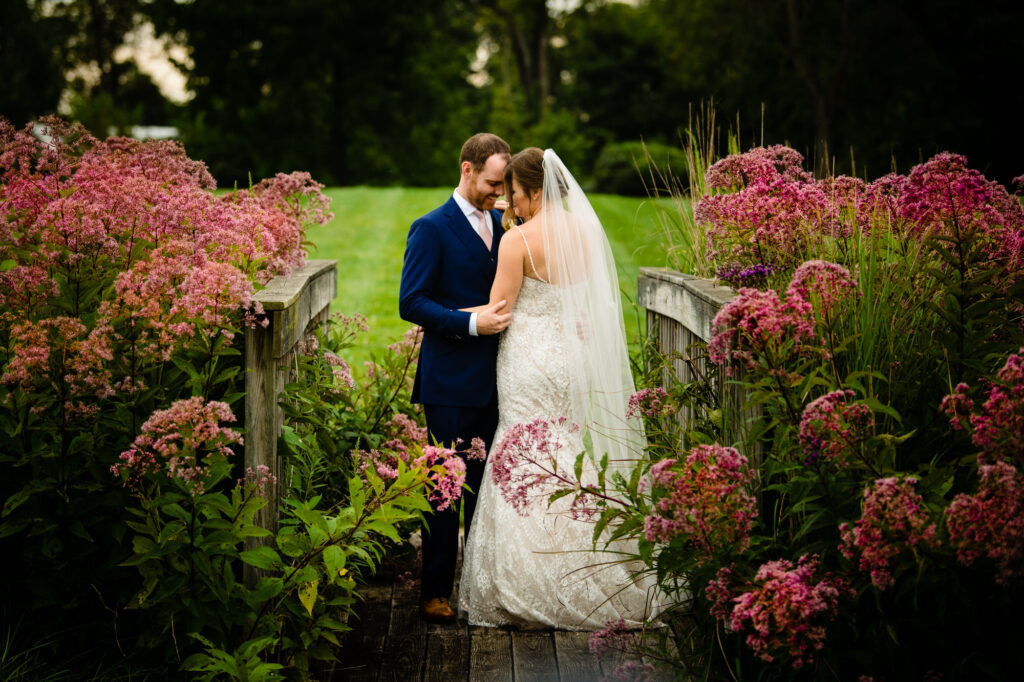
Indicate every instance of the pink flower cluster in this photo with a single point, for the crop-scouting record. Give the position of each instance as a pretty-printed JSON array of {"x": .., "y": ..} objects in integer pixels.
[
  {"x": 341, "y": 372},
  {"x": 410, "y": 343},
  {"x": 823, "y": 284},
  {"x": 761, "y": 164},
  {"x": 998, "y": 426},
  {"x": 893, "y": 519},
  {"x": 61, "y": 350},
  {"x": 446, "y": 467},
  {"x": 649, "y": 402},
  {"x": 772, "y": 213},
  {"x": 990, "y": 523},
  {"x": 758, "y": 324},
  {"x": 447, "y": 474},
  {"x": 405, "y": 434},
  {"x": 80, "y": 214},
  {"x": 258, "y": 480},
  {"x": 767, "y": 210},
  {"x": 614, "y": 636},
  {"x": 787, "y": 608},
  {"x": 704, "y": 500},
  {"x": 182, "y": 440},
  {"x": 525, "y": 460},
  {"x": 944, "y": 196},
  {"x": 832, "y": 426}
]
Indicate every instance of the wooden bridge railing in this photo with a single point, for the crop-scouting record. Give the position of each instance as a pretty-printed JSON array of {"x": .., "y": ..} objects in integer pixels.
[
  {"x": 680, "y": 310},
  {"x": 293, "y": 305}
]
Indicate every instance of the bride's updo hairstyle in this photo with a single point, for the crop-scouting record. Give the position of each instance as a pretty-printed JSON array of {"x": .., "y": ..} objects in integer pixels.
[{"x": 527, "y": 167}]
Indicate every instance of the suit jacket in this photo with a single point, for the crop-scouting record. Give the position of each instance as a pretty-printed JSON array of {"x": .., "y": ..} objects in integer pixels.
[{"x": 447, "y": 267}]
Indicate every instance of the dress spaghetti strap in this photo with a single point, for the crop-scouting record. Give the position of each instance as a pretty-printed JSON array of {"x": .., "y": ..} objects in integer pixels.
[{"x": 530, "y": 254}]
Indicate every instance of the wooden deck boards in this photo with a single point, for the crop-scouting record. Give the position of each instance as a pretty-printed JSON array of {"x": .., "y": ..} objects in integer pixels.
[{"x": 390, "y": 642}]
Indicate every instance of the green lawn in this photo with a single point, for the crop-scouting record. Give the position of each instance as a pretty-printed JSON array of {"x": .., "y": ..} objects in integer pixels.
[{"x": 367, "y": 238}]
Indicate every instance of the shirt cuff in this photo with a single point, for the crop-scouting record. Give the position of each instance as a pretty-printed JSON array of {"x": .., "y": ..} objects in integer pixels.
[{"x": 472, "y": 324}]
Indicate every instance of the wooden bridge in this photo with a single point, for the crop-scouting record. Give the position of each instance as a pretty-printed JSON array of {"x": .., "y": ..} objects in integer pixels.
[{"x": 390, "y": 642}]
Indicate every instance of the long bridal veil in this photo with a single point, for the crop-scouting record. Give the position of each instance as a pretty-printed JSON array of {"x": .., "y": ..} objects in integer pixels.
[{"x": 580, "y": 264}]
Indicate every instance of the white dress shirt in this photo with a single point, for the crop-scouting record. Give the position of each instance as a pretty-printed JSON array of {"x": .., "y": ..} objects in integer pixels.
[{"x": 483, "y": 228}]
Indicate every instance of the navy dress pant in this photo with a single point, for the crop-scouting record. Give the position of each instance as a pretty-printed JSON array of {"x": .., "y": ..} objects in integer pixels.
[{"x": 441, "y": 536}]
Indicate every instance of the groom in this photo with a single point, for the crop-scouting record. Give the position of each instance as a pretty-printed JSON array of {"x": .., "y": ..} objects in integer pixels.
[{"x": 451, "y": 256}]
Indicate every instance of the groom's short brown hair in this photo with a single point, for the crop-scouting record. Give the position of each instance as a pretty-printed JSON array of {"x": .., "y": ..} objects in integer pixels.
[{"x": 481, "y": 147}]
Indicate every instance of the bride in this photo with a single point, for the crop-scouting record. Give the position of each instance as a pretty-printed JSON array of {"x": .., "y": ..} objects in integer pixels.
[{"x": 563, "y": 385}]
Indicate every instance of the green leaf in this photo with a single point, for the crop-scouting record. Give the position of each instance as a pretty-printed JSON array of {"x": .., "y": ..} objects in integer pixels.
[
  {"x": 334, "y": 560},
  {"x": 260, "y": 557},
  {"x": 314, "y": 518},
  {"x": 267, "y": 588},
  {"x": 356, "y": 495},
  {"x": 878, "y": 406},
  {"x": 384, "y": 528},
  {"x": 19, "y": 498},
  {"x": 307, "y": 595}
]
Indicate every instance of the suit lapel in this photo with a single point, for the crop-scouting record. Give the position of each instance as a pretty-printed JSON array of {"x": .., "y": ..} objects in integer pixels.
[{"x": 460, "y": 227}]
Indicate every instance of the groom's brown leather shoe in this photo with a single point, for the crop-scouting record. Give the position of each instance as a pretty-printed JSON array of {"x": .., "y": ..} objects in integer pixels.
[{"x": 437, "y": 610}]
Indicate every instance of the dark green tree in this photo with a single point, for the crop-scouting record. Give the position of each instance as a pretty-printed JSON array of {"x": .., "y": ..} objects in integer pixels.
[
  {"x": 30, "y": 62},
  {"x": 354, "y": 92}
]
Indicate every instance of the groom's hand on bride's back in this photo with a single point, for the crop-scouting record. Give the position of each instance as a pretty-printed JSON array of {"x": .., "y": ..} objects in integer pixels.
[{"x": 490, "y": 321}]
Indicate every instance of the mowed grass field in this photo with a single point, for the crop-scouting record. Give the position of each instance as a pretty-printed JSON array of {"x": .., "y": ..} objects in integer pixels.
[{"x": 367, "y": 238}]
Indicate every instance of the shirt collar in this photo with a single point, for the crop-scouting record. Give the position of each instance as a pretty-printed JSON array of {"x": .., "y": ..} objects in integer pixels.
[{"x": 463, "y": 202}]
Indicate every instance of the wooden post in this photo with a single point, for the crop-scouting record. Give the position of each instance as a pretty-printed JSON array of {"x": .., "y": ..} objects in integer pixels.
[{"x": 293, "y": 305}]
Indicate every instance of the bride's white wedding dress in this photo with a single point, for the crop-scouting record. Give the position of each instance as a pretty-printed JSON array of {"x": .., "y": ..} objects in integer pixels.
[{"x": 538, "y": 570}]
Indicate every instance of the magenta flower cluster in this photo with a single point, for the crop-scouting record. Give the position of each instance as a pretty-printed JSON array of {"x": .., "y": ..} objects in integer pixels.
[
  {"x": 990, "y": 523},
  {"x": 763, "y": 208},
  {"x": 823, "y": 284},
  {"x": 447, "y": 474},
  {"x": 137, "y": 222},
  {"x": 525, "y": 462},
  {"x": 768, "y": 213},
  {"x": 181, "y": 441},
  {"x": 997, "y": 428},
  {"x": 758, "y": 324},
  {"x": 649, "y": 402},
  {"x": 944, "y": 196},
  {"x": 893, "y": 519},
  {"x": 259, "y": 480},
  {"x": 833, "y": 426},
  {"x": 786, "y": 608},
  {"x": 703, "y": 500},
  {"x": 614, "y": 636}
]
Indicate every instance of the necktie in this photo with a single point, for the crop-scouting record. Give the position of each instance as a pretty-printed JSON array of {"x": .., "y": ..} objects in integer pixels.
[{"x": 483, "y": 228}]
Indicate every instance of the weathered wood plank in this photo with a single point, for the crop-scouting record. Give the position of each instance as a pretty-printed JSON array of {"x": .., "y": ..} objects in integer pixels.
[
  {"x": 575, "y": 662},
  {"x": 691, "y": 301},
  {"x": 363, "y": 649},
  {"x": 363, "y": 653},
  {"x": 282, "y": 292},
  {"x": 447, "y": 655},
  {"x": 490, "y": 655},
  {"x": 406, "y": 644},
  {"x": 533, "y": 656}
]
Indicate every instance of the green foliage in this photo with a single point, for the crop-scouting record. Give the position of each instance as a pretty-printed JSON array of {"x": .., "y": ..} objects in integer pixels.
[
  {"x": 256, "y": 604},
  {"x": 352, "y": 92},
  {"x": 635, "y": 168}
]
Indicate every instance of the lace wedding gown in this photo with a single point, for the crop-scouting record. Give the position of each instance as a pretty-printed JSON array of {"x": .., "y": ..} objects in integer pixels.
[{"x": 538, "y": 570}]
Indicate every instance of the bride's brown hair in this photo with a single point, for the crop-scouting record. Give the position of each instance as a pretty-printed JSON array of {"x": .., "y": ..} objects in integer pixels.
[{"x": 527, "y": 167}]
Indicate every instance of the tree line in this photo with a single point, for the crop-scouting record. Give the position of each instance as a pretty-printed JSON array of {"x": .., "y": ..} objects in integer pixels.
[{"x": 370, "y": 92}]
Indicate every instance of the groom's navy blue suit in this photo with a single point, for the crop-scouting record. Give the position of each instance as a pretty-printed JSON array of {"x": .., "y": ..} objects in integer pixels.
[{"x": 447, "y": 267}]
